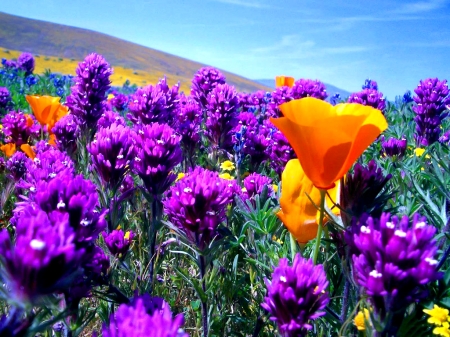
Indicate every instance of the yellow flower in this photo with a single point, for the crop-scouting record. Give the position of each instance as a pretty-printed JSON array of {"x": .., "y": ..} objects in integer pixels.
[
  {"x": 442, "y": 330},
  {"x": 438, "y": 315},
  {"x": 328, "y": 139},
  {"x": 361, "y": 319},
  {"x": 227, "y": 166},
  {"x": 298, "y": 214},
  {"x": 110, "y": 96},
  {"x": 180, "y": 175},
  {"x": 275, "y": 188},
  {"x": 226, "y": 176},
  {"x": 127, "y": 236},
  {"x": 243, "y": 189},
  {"x": 284, "y": 81},
  {"x": 274, "y": 238},
  {"x": 419, "y": 152}
]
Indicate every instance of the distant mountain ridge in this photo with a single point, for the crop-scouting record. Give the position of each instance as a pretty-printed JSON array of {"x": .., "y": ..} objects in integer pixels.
[
  {"x": 55, "y": 40},
  {"x": 331, "y": 89}
]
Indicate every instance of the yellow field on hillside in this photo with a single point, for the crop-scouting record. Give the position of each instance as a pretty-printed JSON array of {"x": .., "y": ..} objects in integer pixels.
[{"x": 67, "y": 67}]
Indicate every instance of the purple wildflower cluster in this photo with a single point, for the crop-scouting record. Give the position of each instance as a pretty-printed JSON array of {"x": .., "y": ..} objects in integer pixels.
[
  {"x": 197, "y": 205},
  {"x": 369, "y": 97},
  {"x": 204, "y": 81},
  {"x": 112, "y": 153},
  {"x": 158, "y": 151},
  {"x": 295, "y": 295},
  {"x": 221, "y": 117},
  {"x": 87, "y": 99},
  {"x": 5, "y": 98},
  {"x": 394, "y": 147},
  {"x": 119, "y": 102},
  {"x": 392, "y": 259},
  {"x": 143, "y": 319},
  {"x": 308, "y": 88},
  {"x": 432, "y": 104},
  {"x": 18, "y": 128},
  {"x": 26, "y": 63},
  {"x": 254, "y": 184},
  {"x": 67, "y": 131},
  {"x": 17, "y": 165},
  {"x": 110, "y": 117},
  {"x": 155, "y": 104},
  {"x": 118, "y": 242}
]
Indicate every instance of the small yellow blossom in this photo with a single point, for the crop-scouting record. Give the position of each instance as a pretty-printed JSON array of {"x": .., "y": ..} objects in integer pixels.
[
  {"x": 274, "y": 238},
  {"x": 119, "y": 227},
  {"x": 442, "y": 330},
  {"x": 226, "y": 176},
  {"x": 419, "y": 152},
  {"x": 110, "y": 96},
  {"x": 438, "y": 315},
  {"x": 275, "y": 188},
  {"x": 360, "y": 319},
  {"x": 243, "y": 189},
  {"x": 180, "y": 175},
  {"x": 127, "y": 236},
  {"x": 227, "y": 166}
]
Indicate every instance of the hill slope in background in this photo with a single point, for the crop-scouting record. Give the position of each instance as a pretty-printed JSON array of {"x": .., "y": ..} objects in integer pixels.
[
  {"x": 331, "y": 89},
  {"x": 70, "y": 43}
]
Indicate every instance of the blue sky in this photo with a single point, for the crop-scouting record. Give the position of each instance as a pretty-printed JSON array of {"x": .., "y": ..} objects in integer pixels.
[{"x": 396, "y": 43}]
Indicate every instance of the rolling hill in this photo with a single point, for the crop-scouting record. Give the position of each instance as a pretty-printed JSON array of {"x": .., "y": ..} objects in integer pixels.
[{"x": 65, "y": 46}]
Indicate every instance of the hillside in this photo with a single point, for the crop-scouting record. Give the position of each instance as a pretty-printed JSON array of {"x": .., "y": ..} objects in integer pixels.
[{"x": 56, "y": 41}]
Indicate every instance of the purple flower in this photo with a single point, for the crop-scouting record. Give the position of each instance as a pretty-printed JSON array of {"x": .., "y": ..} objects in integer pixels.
[
  {"x": 445, "y": 138},
  {"x": 119, "y": 102},
  {"x": 221, "y": 116},
  {"x": 5, "y": 98},
  {"x": 309, "y": 88},
  {"x": 87, "y": 99},
  {"x": 204, "y": 81},
  {"x": 369, "y": 97},
  {"x": 158, "y": 151},
  {"x": 46, "y": 166},
  {"x": 432, "y": 102},
  {"x": 279, "y": 96},
  {"x": 363, "y": 191},
  {"x": 76, "y": 197},
  {"x": 155, "y": 104},
  {"x": 9, "y": 64},
  {"x": 197, "y": 205},
  {"x": 133, "y": 320},
  {"x": 296, "y": 295},
  {"x": 18, "y": 128},
  {"x": 110, "y": 117},
  {"x": 112, "y": 153},
  {"x": 67, "y": 130},
  {"x": 17, "y": 165},
  {"x": 394, "y": 147},
  {"x": 26, "y": 62},
  {"x": 256, "y": 102},
  {"x": 118, "y": 242},
  {"x": 254, "y": 184},
  {"x": 188, "y": 123},
  {"x": 279, "y": 150},
  {"x": 370, "y": 84},
  {"x": 392, "y": 259},
  {"x": 51, "y": 254}
]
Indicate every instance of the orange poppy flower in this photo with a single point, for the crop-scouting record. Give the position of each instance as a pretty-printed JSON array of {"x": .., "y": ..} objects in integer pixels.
[
  {"x": 47, "y": 110},
  {"x": 284, "y": 81},
  {"x": 328, "y": 139},
  {"x": 298, "y": 213},
  {"x": 8, "y": 149},
  {"x": 28, "y": 150}
]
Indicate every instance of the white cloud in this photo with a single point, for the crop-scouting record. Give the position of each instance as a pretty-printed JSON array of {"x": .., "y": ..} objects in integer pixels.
[{"x": 419, "y": 7}]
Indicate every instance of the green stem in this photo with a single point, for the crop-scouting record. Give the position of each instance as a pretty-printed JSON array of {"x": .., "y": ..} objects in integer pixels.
[
  {"x": 319, "y": 230},
  {"x": 293, "y": 246}
]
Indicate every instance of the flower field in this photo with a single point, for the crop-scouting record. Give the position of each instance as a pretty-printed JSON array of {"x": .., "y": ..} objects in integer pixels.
[{"x": 152, "y": 211}]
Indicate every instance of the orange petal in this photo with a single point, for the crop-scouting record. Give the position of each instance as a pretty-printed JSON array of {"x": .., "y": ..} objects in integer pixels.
[
  {"x": 26, "y": 148},
  {"x": 8, "y": 149},
  {"x": 44, "y": 107},
  {"x": 52, "y": 139},
  {"x": 284, "y": 81}
]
